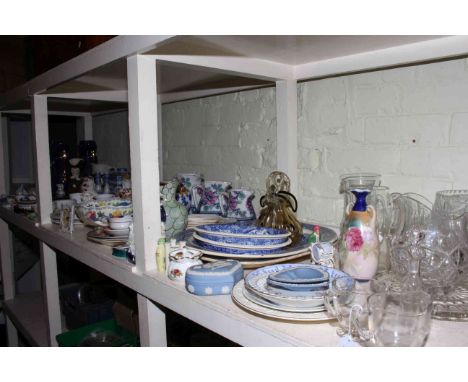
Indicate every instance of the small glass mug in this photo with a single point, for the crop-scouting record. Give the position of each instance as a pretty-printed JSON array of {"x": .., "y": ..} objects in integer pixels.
[{"x": 346, "y": 300}]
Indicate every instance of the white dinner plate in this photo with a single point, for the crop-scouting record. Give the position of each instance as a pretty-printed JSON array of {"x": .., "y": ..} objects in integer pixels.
[{"x": 239, "y": 298}]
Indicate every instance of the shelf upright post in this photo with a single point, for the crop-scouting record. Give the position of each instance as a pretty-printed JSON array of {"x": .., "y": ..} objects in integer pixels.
[
  {"x": 286, "y": 130},
  {"x": 88, "y": 127},
  {"x": 144, "y": 148},
  {"x": 44, "y": 196},
  {"x": 6, "y": 237}
]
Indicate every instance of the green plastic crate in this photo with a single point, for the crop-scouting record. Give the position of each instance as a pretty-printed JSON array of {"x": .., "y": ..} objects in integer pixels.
[{"x": 104, "y": 333}]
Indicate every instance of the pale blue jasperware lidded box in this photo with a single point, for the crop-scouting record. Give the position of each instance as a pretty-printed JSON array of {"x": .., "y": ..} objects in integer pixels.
[{"x": 214, "y": 278}]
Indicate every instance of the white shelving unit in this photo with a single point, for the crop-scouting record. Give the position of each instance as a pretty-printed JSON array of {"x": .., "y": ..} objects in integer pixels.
[{"x": 141, "y": 72}]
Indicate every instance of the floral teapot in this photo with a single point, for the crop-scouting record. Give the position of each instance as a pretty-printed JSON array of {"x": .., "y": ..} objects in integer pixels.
[{"x": 180, "y": 260}]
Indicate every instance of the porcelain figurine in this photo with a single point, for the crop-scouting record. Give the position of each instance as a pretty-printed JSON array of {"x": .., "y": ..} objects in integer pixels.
[
  {"x": 176, "y": 213},
  {"x": 239, "y": 204}
]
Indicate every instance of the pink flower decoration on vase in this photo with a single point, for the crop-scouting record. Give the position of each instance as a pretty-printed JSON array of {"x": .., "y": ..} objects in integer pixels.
[{"x": 354, "y": 240}]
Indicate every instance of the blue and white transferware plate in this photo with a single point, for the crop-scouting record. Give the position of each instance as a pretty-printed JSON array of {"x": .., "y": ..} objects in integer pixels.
[
  {"x": 256, "y": 282},
  {"x": 243, "y": 241},
  {"x": 242, "y": 230},
  {"x": 300, "y": 275},
  {"x": 300, "y": 247},
  {"x": 213, "y": 243},
  {"x": 298, "y": 287},
  {"x": 239, "y": 298}
]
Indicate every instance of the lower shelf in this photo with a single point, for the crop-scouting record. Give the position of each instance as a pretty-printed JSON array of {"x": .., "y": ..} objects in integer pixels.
[{"x": 26, "y": 311}]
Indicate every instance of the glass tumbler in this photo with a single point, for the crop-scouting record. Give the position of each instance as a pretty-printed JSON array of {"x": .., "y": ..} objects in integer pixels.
[{"x": 399, "y": 319}]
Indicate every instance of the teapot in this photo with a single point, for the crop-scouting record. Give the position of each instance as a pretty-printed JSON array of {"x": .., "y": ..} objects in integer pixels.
[{"x": 180, "y": 260}]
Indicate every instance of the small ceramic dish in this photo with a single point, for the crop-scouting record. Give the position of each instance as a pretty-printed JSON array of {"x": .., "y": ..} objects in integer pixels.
[
  {"x": 298, "y": 287},
  {"x": 300, "y": 275},
  {"x": 119, "y": 225}
]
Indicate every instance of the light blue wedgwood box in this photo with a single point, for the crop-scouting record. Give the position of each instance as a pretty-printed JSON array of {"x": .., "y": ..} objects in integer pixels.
[{"x": 214, "y": 278}]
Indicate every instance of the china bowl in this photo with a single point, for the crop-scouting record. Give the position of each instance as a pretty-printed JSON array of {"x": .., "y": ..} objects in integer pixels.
[
  {"x": 119, "y": 226},
  {"x": 97, "y": 213}
]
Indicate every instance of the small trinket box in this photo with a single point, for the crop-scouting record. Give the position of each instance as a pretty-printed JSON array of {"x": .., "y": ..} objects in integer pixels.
[{"x": 214, "y": 278}]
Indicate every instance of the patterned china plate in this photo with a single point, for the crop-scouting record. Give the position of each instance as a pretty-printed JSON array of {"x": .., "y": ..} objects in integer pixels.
[
  {"x": 241, "y": 246},
  {"x": 243, "y": 230},
  {"x": 301, "y": 247},
  {"x": 239, "y": 298},
  {"x": 256, "y": 283}
]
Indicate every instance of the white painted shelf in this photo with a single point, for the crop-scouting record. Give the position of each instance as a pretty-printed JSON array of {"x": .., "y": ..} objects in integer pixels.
[
  {"x": 140, "y": 73},
  {"x": 26, "y": 311}
]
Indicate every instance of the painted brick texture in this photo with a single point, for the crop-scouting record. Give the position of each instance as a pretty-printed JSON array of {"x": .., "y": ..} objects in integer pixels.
[
  {"x": 229, "y": 137},
  {"x": 409, "y": 124}
]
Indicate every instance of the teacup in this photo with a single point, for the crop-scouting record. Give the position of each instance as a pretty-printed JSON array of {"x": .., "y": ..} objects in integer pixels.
[
  {"x": 239, "y": 204},
  {"x": 208, "y": 199}
]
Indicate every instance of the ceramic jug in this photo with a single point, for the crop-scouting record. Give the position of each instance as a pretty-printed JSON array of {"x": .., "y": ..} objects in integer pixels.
[
  {"x": 180, "y": 260},
  {"x": 359, "y": 247},
  {"x": 239, "y": 204},
  {"x": 208, "y": 199},
  {"x": 176, "y": 214},
  {"x": 184, "y": 190}
]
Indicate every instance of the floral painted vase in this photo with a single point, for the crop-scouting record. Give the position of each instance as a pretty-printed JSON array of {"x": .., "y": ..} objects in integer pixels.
[
  {"x": 208, "y": 199},
  {"x": 184, "y": 190},
  {"x": 239, "y": 204},
  {"x": 359, "y": 246},
  {"x": 176, "y": 214}
]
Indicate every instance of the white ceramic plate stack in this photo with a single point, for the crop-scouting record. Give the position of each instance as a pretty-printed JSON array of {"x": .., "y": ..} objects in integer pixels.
[
  {"x": 103, "y": 237},
  {"x": 195, "y": 220},
  {"x": 256, "y": 294}
]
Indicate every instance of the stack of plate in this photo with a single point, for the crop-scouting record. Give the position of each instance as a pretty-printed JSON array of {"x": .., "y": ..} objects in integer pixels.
[
  {"x": 260, "y": 293},
  {"x": 195, "y": 220},
  {"x": 104, "y": 237},
  {"x": 253, "y": 246}
]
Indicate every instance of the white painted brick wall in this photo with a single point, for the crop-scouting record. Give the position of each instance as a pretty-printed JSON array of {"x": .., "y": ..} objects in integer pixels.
[
  {"x": 409, "y": 124},
  {"x": 230, "y": 137}
]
